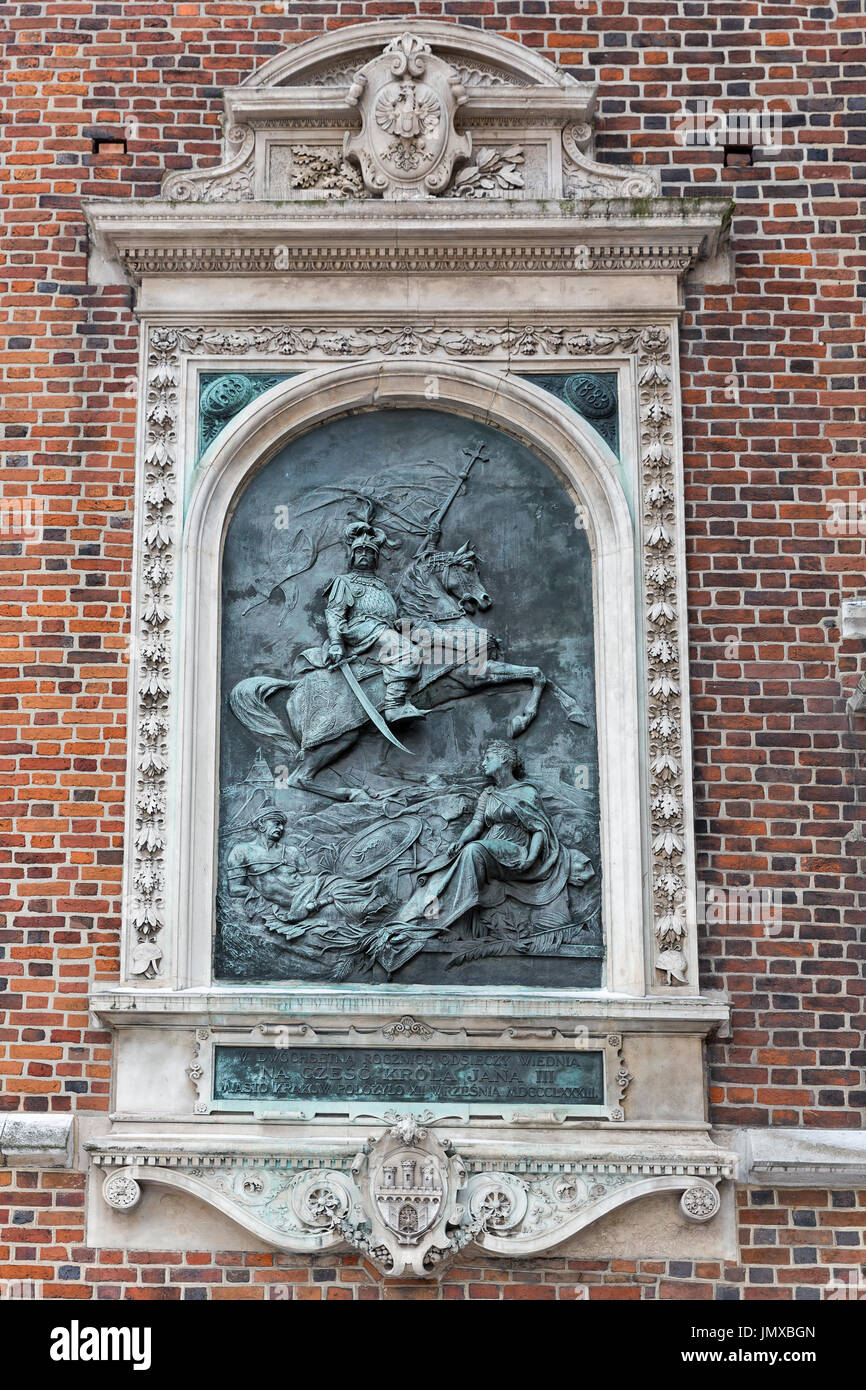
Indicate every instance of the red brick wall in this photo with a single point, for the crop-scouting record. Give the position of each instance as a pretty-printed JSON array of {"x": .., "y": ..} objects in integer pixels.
[
  {"x": 794, "y": 1245},
  {"x": 771, "y": 434}
]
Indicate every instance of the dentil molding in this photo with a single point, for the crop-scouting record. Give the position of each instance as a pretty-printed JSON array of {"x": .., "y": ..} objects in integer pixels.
[{"x": 406, "y": 1198}]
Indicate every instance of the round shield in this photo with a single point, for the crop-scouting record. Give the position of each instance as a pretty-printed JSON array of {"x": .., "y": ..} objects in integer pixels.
[{"x": 373, "y": 849}]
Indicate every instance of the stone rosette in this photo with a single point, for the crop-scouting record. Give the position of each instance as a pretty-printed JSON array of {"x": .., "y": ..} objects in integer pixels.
[{"x": 359, "y": 1202}]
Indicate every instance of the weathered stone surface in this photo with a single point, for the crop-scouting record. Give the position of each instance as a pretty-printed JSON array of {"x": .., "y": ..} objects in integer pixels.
[
  {"x": 37, "y": 1141},
  {"x": 788, "y": 1157}
]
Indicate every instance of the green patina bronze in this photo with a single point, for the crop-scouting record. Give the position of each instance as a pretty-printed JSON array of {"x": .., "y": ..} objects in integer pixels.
[
  {"x": 408, "y": 795},
  {"x": 432, "y": 1076},
  {"x": 222, "y": 395},
  {"x": 592, "y": 394}
]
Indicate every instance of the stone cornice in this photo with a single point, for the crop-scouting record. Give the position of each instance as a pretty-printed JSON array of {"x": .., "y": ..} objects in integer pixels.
[
  {"x": 689, "y": 1152},
  {"x": 36, "y": 1141},
  {"x": 441, "y": 260},
  {"x": 131, "y": 1006},
  {"x": 327, "y": 105},
  {"x": 586, "y": 235},
  {"x": 789, "y": 1157}
]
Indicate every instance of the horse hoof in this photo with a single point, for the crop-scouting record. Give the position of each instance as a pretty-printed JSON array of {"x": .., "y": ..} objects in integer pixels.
[{"x": 517, "y": 726}]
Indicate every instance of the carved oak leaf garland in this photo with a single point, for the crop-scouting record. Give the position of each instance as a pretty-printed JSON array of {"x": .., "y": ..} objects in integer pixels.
[
  {"x": 491, "y": 172},
  {"x": 321, "y": 167},
  {"x": 650, "y": 345}
]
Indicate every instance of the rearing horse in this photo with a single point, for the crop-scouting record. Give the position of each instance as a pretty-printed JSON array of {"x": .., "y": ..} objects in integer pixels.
[{"x": 436, "y": 595}]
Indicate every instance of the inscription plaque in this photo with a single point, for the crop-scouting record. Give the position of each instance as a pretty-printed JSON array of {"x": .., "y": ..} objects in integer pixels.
[{"x": 433, "y": 1076}]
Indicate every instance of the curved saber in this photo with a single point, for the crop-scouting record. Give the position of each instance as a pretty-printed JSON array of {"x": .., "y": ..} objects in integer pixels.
[{"x": 369, "y": 708}]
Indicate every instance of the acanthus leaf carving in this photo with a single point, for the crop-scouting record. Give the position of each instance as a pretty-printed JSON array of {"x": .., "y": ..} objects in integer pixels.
[{"x": 407, "y": 1027}]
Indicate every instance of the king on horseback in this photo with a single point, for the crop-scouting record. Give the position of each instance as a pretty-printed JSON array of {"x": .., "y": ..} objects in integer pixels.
[
  {"x": 381, "y": 644},
  {"x": 362, "y": 617}
]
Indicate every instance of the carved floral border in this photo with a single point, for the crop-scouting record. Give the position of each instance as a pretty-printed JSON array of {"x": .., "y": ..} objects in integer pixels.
[{"x": 649, "y": 346}]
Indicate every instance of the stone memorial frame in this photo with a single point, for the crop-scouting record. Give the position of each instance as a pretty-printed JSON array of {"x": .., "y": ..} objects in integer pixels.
[
  {"x": 391, "y": 295},
  {"x": 567, "y": 444}
]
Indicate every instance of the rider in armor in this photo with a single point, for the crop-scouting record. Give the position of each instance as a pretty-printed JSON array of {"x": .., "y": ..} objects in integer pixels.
[{"x": 361, "y": 616}]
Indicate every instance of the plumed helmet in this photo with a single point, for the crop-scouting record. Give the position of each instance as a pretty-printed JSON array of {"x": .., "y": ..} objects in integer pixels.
[{"x": 361, "y": 533}]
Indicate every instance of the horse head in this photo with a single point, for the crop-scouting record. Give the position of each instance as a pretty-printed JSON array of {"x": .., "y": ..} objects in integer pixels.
[
  {"x": 434, "y": 582},
  {"x": 460, "y": 579}
]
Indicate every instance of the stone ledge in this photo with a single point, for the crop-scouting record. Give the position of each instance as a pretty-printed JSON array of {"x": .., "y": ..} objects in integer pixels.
[
  {"x": 138, "y": 237},
  {"x": 135, "y": 1005},
  {"x": 797, "y": 1157},
  {"x": 336, "y": 1196},
  {"x": 37, "y": 1141}
]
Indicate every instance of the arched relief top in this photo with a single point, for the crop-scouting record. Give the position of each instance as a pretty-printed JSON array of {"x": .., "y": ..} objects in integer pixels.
[
  {"x": 408, "y": 109},
  {"x": 584, "y": 466},
  {"x": 481, "y": 58},
  {"x": 572, "y": 449}
]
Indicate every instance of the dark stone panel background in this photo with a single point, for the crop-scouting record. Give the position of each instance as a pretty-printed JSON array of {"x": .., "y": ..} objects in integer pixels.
[
  {"x": 594, "y": 395},
  {"x": 431, "y": 1076},
  {"x": 536, "y": 565}
]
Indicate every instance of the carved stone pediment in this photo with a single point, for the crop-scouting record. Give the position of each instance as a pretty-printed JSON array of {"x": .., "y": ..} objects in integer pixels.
[
  {"x": 399, "y": 112},
  {"x": 490, "y": 145}
]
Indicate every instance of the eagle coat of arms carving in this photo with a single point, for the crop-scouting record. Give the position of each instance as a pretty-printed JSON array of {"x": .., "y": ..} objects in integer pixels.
[{"x": 407, "y": 98}]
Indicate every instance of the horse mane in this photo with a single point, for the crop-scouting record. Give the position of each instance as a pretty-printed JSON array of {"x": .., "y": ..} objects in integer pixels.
[
  {"x": 422, "y": 584},
  {"x": 419, "y": 588}
]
